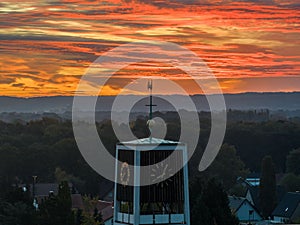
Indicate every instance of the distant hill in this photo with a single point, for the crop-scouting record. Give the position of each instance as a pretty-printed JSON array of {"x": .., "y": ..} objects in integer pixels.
[{"x": 244, "y": 101}]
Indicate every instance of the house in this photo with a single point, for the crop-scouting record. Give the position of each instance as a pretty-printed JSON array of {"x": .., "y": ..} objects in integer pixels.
[
  {"x": 41, "y": 191},
  {"x": 252, "y": 194},
  {"x": 106, "y": 209},
  {"x": 288, "y": 210},
  {"x": 243, "y": 209},
  {"x": 253, "y": 179},
  {"x": 77, "y": 201}
]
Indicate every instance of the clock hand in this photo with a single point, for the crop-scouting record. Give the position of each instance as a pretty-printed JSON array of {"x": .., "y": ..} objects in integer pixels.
[
  {"x": 165, "y": 169},
  {"x": 161, "y": 176}
]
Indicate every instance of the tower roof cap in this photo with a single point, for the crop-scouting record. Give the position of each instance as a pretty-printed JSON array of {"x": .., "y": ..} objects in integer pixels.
[{"x": 151, "y": 141}]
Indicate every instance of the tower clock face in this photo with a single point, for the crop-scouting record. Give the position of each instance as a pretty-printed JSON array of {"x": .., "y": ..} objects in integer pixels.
[
  {"x": 124, "y": 173},
  {"x": 160, "y": 173}
]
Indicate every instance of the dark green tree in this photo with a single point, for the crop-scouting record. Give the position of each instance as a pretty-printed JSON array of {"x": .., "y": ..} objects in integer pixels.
[
  {"x": 227, "y": 167},
  {"x": 88, "y": 219},
  {"x": 18, "y": 213},
  {"x": 16, "y": 206},
  {"x": 210, "y": 204},
  {"x": 65, "y": 203},
  {"x": 267, "y": 191},
  {"x": 291, "y": 182},
  {"x": 216, "y": 200},
  {"x": 98, "y": 216},
  {"x": 79, "y": 217},
  {"x": 292, "y": 162},
  {"x": 48, "y": 214},
  {"x": 57, "y": 210},
  {"x": 200, "y": 213}
]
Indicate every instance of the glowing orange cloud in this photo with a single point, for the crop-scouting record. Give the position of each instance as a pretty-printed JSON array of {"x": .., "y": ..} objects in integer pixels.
[{"x": 45, "y": 46}]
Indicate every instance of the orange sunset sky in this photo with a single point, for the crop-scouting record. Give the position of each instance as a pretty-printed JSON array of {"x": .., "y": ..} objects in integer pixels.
[{"x": 47, "y": 45}]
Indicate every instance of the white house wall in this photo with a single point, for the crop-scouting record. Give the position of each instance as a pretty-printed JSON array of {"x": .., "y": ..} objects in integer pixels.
[
  {"x": 249, "y": 197},
  {"x": 243, "y": 213},
  {"x": 279, "y": 219}
]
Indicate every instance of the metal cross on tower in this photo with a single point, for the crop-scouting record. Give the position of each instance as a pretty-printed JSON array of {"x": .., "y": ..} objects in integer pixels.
[
  {"x": 157, "y": 195},
  {"x": 150, "y": 105}
]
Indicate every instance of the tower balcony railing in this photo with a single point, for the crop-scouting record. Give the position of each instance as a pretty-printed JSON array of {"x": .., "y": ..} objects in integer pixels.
[{"x": 125, "y": 218}]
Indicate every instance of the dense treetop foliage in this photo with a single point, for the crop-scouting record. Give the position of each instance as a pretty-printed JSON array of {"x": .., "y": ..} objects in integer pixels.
[
  {"x": 47, "y": 148},
  {"x": 209, "y": 203},
  {"x": 40, "y": 147}
]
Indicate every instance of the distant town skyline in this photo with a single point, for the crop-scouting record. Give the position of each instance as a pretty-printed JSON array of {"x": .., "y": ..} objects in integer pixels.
[{"x": 250, "y": 46}]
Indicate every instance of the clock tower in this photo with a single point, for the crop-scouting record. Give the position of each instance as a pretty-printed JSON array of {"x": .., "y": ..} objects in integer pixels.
[{"x": 151, "y": 181}]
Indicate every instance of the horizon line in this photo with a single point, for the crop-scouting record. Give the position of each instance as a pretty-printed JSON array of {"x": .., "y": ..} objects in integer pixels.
[{"x": 200, "y": 94}]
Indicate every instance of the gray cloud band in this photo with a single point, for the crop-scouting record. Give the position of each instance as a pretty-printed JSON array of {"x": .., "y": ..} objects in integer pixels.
[{"x": 102, "y": 69}]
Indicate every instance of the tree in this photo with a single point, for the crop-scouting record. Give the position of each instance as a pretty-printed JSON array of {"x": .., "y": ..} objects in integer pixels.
[
  {"x": 89, "y": 203},
  {"x": 238, "y": 190},
  {"x": 79, "y": 217},
  {"x": 61, "y": 175},
  {"x": 17, "y": 213},
  {"x": 210, "y": 204},
  {"x": 227, "y": 167},
  {"x": 65, "y": 203},
  {"x": 57, "y": 210},
  {"x": 267, "y": 194},
  {"x": 16, "y": 206},
  {"x": 291, "y": 182},
  {"x": 292, "y": 162},
  {"x": 200, "y": 213},
  {"x": 217, "y": 201},
  {"x": 89, "y": 220},
  {"x": 48, "y": 211},
  {"x": 97, "y": 216}
]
